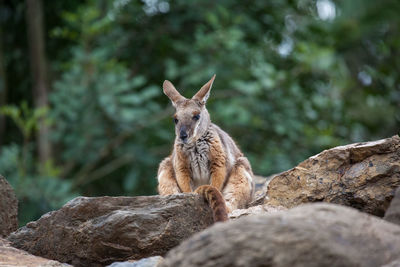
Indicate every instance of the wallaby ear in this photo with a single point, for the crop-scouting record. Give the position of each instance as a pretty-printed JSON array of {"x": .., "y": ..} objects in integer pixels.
[
  {"x": 170, "y": 91},
  {"x": 204, "y": 92}
]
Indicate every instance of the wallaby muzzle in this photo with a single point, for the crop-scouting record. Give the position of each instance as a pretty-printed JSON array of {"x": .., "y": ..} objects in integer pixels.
[{"x": 183, "y": 135}]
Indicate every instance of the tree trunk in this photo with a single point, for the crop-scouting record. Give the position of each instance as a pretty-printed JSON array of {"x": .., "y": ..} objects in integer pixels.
[
  {"x": 34, "y": 18},
  {"x": 3, "y": 89}
]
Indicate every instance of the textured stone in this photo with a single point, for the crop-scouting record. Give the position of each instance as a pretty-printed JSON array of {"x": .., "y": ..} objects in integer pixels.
[
  {"x": 362, "y": 175},
  {"x": 260, "y": 182},
  {"x": 102, "y": 230},
  {"x": 393, "y": 212},
  {"x": 10, "y": 256},
  {"x": 146, "y": 262},
  {"x": 259, "y": 209},
  {"x": 8, "y": 208},
  {"x": 319, "y": 234},
  {"x": 395, "y": 263}
]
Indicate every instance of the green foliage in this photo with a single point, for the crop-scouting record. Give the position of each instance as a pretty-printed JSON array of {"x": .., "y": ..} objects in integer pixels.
[
  {"x": 26, "y": 119},
  {"x": 293, "y": 78},
  {"x": 38, "y": 187},
  {"x": 98, "y": 107},
  {"x": 97, "y": 111},
  {"x": 38, "y": 192}
]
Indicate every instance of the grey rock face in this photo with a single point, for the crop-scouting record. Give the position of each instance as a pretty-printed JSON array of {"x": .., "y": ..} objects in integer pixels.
[
  {"x": 363, "y": 176},
  {"x": 8, "y": 208},
  {"x": 393, "y": 213},
  {"x": 310, "y": 235},
  {"x": 102, "y": 230},
  {"x": 10, "y": 256}
]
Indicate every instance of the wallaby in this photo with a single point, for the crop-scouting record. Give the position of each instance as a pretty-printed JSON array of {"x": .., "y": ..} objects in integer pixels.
[{"x": 204, "y": 159}]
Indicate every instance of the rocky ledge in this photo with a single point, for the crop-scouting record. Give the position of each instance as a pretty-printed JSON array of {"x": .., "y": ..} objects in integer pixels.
[
  {"x": 99, "y": 231},
  {"x": 8, "y": 208},
  {"x": 273, "y": 231},
  {"x": 363, "y": 176},
  {"x": 310, "y": 235},
  {"x": 10, "y": 256}
]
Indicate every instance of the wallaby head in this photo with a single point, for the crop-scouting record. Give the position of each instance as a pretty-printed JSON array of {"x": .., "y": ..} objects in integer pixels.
[{"x": 191, "y": 117}]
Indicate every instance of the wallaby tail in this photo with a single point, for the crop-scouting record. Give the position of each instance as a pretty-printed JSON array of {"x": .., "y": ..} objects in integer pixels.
[{"x": 215, "y": 200}]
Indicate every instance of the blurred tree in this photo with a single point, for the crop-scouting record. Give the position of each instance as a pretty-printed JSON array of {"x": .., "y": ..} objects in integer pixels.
[
  {"x": 3, "y": 92},
  {"x": 38, "y": 186},
  {"x": 3, "y": 84},
  {"x": 34, "y": 18}
]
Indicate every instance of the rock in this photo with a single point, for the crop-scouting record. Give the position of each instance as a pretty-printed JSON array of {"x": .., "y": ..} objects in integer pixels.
[
  {"x": 146, "y": 262},
  {"x": 258, "y": 198},
  {"x": 363, "y": 176},
  {"x": 102, "y": 230},
  {"x": 259, "y": 209},
  {"x": 319, "y": 234},
  {"x": 393, "y": 212},
  {"x": 8, "y": 208},
  {"x": 260, "y": 181},
  {"x": 395, "y": 263},
  {"x": 10, "y": 256}
]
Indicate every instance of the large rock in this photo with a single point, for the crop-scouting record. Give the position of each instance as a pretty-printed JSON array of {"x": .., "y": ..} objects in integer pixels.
[
  {"x": 100, "y": 231},
  {"x": 10, "y": 256},
  {"x": 8, "y": 208},
  {"x": 362, "y": 175},
  {"x": 393, "y": 212},
  {"x": 310, "y": 235}
]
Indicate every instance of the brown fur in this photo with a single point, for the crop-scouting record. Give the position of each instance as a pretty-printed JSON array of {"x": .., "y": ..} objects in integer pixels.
[
  {"x": 215, "y": 200},
  {"x": 204, "y": 154}
]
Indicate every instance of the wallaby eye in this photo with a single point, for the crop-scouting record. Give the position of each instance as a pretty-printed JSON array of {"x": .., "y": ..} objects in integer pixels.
[
  {"x": 176, "y": 120},
  {"x": 196, "y": 117}
]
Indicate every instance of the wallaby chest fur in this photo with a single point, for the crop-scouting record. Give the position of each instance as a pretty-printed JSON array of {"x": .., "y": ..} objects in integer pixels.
[
  {"x": 199, "y": 161},
  {"x": 200, "y": 158}
]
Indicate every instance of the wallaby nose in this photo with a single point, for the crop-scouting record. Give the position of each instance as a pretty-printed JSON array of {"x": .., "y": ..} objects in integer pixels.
[{"x": 183, "y": 135}]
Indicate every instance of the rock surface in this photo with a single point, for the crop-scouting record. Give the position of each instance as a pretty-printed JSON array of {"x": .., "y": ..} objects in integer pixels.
[
  {"x": 154, "y": 261},
  {"x": 319, "y": 234},
  {"x": 102, "y": 230},
  {"x": 255, "y": 210},
  {"x": 10, "y": 256},
  {"x": 393, "y": 212},
  {"x": 395, "y": 263},
  {"x": 363, "y": 176},
  {"x": 8, "y": 208}
]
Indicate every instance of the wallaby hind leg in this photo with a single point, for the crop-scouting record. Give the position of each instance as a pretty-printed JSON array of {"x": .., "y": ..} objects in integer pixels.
[
  {"x": 239, "y": 188},
  {"x": 166, "y": 179}
]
